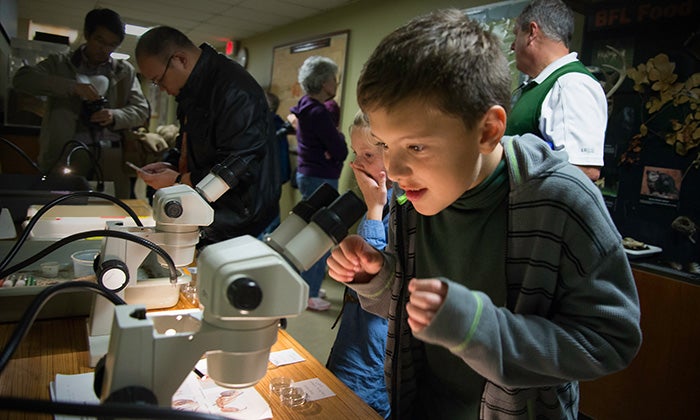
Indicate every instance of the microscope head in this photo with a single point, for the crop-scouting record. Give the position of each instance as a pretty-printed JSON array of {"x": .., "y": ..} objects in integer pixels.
[{"x": 247, "y": 286}]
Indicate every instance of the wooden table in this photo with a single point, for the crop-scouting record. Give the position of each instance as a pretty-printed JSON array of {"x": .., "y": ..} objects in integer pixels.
[{"x": 60, "y": 346}]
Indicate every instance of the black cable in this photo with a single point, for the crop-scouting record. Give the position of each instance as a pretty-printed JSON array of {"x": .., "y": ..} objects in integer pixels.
[
  {"x": 23, "y": 154},
  {"x": 33, "y": 309},
  {"x": 15, "y": 248},
  {"x": 107, "y": 410},
  {"x": 174, "y": 273}
]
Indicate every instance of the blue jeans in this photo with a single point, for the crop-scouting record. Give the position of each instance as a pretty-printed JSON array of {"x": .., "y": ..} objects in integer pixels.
[
  {"x": 314, "y": 276},
  {"x": 357, "y": 355}
]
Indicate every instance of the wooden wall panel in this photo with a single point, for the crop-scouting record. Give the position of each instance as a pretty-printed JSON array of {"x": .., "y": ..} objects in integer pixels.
[{"x": 663, "y": 381}]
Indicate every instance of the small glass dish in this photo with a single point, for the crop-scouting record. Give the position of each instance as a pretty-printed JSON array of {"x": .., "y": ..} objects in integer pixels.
[
  {"x": 279, "y": 384},
  {"x": 293, "y": 397}
]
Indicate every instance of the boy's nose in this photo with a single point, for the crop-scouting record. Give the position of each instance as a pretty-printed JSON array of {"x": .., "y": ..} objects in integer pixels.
[{"x": 395, "y": 168}]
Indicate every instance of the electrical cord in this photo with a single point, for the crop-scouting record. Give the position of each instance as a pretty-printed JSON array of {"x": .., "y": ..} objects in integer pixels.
[
  {"x": 23, "y": 238},
  {"x": 174, "y": 273},
  {"x": 106, "y": 410},
  {"x": 23, "y": 154}
]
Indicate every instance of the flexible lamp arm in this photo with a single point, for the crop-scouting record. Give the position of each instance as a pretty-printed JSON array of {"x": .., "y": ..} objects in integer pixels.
[{"x": 93, "y": 159}]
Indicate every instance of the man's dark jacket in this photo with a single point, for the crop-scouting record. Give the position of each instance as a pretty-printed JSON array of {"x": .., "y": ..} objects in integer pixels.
[{"x": 223, "y": 111}]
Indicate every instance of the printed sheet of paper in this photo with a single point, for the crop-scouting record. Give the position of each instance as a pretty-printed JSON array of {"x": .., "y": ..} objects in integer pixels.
[
  {"x": 285, "y": 357},
  {"x": 315, "y": 389}
]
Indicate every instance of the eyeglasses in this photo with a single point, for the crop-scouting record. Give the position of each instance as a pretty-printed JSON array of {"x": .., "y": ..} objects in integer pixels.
[{"x": 157, "y": 82}]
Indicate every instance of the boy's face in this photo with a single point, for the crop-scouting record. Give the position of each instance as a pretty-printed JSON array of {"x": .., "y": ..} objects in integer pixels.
[
  {"x": 430, "y": 154},
  {"x": 368, "y": 156}
]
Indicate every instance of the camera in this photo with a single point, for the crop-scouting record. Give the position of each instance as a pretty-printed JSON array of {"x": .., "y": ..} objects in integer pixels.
[{"x": 90, "y": 107}]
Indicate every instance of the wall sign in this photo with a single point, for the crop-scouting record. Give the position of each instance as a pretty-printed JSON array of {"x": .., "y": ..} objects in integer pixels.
[{"x": 610, "y": 17}]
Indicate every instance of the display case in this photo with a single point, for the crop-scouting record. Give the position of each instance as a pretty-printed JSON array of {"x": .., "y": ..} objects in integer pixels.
[{"x": 21, "y": 109}]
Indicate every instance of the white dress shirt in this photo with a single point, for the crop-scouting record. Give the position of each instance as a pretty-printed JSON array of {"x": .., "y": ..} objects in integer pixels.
[{"x": 574, "y": 114}]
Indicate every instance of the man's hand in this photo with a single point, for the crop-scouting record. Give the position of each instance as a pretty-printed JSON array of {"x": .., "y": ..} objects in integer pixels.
[
  {"x": 427, "y": 296},
  {"x": 103, "y": 117},
  {"x": 354, "y": 260},
  {"x": 158, "y": 175},
  {"x": 86, "y": 92}
]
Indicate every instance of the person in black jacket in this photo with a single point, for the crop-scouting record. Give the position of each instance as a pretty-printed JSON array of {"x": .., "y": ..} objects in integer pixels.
[{"x": 222, "y": 112}]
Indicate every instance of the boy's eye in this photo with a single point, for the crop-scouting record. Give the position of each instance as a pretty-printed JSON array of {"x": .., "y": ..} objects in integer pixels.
[{"x": 416, "y": 148}]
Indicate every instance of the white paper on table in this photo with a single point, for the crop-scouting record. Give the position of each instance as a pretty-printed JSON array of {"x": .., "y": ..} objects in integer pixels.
[
  {"x": 73, "y": 388},
  {"x": 285, "y": 357},
  {"x": 201, "y": 394},
  {"x": 315, "y": 389}
]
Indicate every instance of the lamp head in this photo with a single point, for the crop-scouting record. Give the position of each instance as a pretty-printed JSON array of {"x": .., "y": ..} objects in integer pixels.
[{"x": 68, "y": 169}]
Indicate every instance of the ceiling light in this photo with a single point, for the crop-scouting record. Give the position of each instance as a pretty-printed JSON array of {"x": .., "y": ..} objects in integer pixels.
[{"x": 135, "y": 30}]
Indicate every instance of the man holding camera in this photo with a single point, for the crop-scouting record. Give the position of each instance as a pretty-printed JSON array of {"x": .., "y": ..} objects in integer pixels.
[{"x": 92, "y": 99}]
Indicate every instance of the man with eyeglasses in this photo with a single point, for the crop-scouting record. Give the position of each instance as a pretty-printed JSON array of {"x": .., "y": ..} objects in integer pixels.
[
  {"x": 223, "y": 113},
  {"x": 92, "y": 98}
]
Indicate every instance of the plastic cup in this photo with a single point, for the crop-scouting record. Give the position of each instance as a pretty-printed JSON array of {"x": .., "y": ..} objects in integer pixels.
[
  {"x": 50, "y": 268},
  {"x": 82, "y": 262}
]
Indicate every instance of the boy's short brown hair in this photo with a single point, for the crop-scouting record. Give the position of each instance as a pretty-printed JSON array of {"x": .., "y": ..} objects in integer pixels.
[{"x": 443, "y": 57}]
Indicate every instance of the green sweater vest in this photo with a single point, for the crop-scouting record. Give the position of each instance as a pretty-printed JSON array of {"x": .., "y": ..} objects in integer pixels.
[{"x": 525, "y": 115}]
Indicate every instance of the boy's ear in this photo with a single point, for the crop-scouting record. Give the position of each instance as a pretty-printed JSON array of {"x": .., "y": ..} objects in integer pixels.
[{"x": 493, "y": 126}]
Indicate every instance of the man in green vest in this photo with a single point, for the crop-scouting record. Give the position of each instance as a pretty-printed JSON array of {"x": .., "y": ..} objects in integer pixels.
[{"x": 563, "y": 103}]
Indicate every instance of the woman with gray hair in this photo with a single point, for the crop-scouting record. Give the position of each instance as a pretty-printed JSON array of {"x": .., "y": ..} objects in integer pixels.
[{"x": 321, "y": 148}]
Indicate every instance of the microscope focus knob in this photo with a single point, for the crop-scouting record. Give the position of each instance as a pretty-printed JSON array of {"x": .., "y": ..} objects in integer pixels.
[
  {"x": 173, "y": 209},
  {"x": 113, "y": 275},
  {"x": 244, "y": 293}
]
